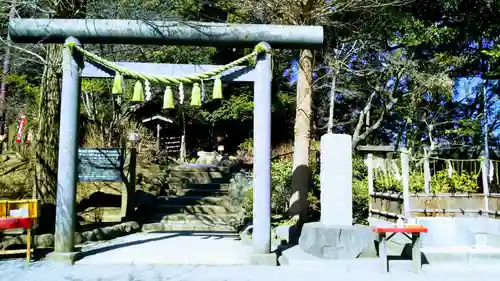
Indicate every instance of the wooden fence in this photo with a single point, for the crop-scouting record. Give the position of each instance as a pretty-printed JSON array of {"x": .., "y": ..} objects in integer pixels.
[{"x": 390, "y": 205}]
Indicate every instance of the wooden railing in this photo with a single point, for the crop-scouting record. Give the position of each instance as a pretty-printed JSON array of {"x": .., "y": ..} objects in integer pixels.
[{"x": 389, "y": 205}]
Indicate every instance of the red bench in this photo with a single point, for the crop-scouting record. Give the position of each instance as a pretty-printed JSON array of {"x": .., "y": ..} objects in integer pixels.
[
  {"x": 411, "y": 232},
  {"x": 13, "y": 223}
]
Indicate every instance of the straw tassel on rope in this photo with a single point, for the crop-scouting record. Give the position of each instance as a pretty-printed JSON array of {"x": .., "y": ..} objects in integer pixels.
[
  {"x": 117, "y": 84},
  {"x": 217, "y": 93},
  {"x": 196, "y": 95},
  {"x": 138, "y": 92},
  {"x": 168, "y": 99}
]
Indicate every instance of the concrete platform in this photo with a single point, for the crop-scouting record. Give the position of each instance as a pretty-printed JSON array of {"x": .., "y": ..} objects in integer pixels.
[{"x": 170, "y": 248}]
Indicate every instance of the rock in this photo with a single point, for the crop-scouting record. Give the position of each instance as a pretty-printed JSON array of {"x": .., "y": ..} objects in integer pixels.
[
  {"x": 78, "y": 238},
  {"x": 336, "y": 242},
  {"x": 111, "y": 232},
  {"x": 44, "y": 240},
  {"x": 99, "y": 235},
  {"x": 18, "y": 240},
  {"x": 205, "y": 157},
  {"x": 131, "y": 227},
  {"x": 89, "y": 236}
]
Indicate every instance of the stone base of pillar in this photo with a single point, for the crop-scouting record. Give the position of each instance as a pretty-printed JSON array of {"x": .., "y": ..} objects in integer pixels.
[
  {"x": 337, "y": 242},
  {"x": 264, "y": 259},
  {"x": 65, "y": 258}
]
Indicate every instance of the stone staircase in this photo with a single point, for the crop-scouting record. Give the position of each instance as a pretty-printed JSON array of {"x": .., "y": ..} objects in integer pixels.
[{"x": 197, "y": 200}]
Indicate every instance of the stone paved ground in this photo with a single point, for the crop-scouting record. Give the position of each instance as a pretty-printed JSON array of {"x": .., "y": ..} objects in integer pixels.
[
  {"x": 170, "y": 248},
  {"x": 130, "y": 258},
  {"x": 46, "y": 271}
]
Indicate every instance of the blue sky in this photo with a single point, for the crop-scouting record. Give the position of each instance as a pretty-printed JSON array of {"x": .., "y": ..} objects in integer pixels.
[{"x": 465, "y": 86}]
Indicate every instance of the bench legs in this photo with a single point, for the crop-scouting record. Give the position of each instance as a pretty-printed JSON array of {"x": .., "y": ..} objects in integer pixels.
[
  {"x": 28, "y": 245},
  {"x": 382, "y": 252},
  {"x": 415, "y": 252}
]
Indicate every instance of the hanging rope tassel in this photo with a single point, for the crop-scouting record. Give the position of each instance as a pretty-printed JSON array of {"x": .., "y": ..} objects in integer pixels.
[
  {"x": 217, "y": 93},
  {"x": 138, "y": 92},
  {"x": 117, "y": 84},
  {"x": 181, "y": 93},
  {"x": 168, "y": 99},
  {"x": 196, "y": 95},
  {"x": 147, "y": 88}
]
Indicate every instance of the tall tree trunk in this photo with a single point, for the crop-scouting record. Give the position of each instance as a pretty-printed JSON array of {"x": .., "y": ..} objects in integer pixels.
[
  {"x": 301, "y": 175},
  {"x": 48, "y": 126},
  {"x": 47, "y": 137},
  {"x": 3, "y": 86}
]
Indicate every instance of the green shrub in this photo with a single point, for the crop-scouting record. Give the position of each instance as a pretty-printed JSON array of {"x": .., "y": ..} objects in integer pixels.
[
  {"x": 281, "y": 185},
  {"x": 463, "y": 182},
  {"x": 360, "y": 200}
]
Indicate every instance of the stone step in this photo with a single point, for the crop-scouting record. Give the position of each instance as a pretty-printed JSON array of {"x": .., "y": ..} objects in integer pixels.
[
  {"x": 192, "y": 167},
  {"x": 185, "y": 227},
  {"x": 195, "y": 209},
  {"x": 198, "y": 174},
  {"x": 222, "y": 219},
  {"x": 176, "y": 185},
  {"x": 100, "y": 214},
  {"x": 196, "y": 192},
  {"x": 197, "y": 180},
  {"x": 194, "y": 200}
]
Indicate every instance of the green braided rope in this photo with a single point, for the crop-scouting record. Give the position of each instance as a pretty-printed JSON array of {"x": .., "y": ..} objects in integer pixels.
[{"x": 165, "y": 79}]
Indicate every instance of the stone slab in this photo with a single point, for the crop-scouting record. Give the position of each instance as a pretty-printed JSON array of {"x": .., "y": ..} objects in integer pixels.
[
  {"x": 264, "y": 259},
  {"x": 336, "y": 242},
  {"x": 64, "y": 258}
]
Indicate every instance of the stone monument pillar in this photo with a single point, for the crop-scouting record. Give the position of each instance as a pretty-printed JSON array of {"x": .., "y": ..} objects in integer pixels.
[
  {"x": 336, "y": 179},
  {"x": 334, "y": 236}
]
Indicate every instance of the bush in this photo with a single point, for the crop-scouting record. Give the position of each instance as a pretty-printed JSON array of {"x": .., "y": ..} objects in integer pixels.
[
  {"x": 281, "y": 185},
  {"x": 241, "y": 196},
  {"x": 360, "y": 200},
  {"x": 463, "y": 182}
]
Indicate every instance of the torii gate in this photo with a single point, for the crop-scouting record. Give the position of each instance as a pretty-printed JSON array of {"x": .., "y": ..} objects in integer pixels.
[{"x": 94, "y": 31}]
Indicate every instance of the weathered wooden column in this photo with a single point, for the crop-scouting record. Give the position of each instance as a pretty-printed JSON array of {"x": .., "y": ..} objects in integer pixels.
[
  {"x": 64, "y": 237},
  {"x": 261, "y": 236},
  {"x": 371, "y": 181},
  {"x": 405, "y": 171},
  {"x": 128, "y": 189},
  {"x": 427, "y": 172}
]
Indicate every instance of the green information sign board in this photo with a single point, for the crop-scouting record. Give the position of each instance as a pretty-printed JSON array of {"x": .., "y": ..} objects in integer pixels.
[{"x": 100, "y": 164}]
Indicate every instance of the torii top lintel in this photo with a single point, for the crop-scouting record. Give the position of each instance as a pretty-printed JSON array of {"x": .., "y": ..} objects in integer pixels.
[{"x": 141, "y": 32}]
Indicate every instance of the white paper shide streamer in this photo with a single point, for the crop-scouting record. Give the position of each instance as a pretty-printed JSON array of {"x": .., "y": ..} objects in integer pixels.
[{"x": 491, "y": 171}]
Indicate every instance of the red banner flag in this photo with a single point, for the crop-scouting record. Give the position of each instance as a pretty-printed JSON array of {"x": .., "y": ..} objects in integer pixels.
[{"x": 20, "y": 128}]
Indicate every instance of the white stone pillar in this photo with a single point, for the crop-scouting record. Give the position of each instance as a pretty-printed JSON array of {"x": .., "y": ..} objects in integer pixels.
[{"x": 336, "y": 179}]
